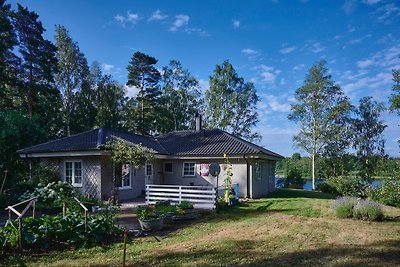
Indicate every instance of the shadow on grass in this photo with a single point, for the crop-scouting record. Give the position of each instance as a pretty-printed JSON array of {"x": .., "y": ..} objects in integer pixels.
[
  {"x": 244, "y": 253},
  {"x": 298, "y": 193}
]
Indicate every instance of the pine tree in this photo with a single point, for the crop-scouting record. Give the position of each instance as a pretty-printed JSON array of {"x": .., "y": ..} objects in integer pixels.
[
  {"x": 39, "y": 63},
  {"x": 73, "y": 71},
  {"x": 143, "y": 75},
  {"x": 231, "y": 102},
  {"x": 319, "y": 104}
]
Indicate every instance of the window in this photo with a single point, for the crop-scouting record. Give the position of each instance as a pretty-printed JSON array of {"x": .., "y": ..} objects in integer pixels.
[
  {"x": 168, "y": 167},
  {"x": 123, "y": 176},
  {"x": 73, "y": 173},
  {"x": 149, "y": 170},
  {"x": 189, "y": 169}
]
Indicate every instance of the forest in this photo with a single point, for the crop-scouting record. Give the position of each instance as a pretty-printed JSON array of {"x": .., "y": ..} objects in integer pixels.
[{"x": 49, "y": 90}]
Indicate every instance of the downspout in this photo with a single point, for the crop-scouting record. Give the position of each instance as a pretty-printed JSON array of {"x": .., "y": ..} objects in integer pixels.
[{"x": 248, "y": 176}]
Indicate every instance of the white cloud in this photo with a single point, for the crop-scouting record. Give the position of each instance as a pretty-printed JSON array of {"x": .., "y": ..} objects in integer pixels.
[
  {"x": 107, "y": 67},
  {"x": 268, "y": 74},
  {"x": 371, "y": 2},
  {"x": 204, "y": 85},
  {"x": 386, "y": 13},
  {"x": 274, "y": 103},
  {"x": 180, "y": 21},
  {"x": 378, "y": 81},
  {"x": 235, "y": 24},
  {"x": 249, "y": 51},
  {"x": 287, "y": 50},
  {"x": 364, "y": 63},
  {"x": 157, "y": 16},
  {"x": 317, "y": 48},
  {"x": 132, "y": 18},
  {"x": 299, "y": 67},
  {"x": 349, "y": 6},
  {"x": 131, "y": 91}
]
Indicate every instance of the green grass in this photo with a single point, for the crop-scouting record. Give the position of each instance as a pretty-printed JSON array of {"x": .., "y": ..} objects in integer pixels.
[{"x": 288, "y": 228}]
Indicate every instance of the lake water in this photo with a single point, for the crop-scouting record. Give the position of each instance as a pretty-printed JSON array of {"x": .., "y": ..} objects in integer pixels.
[{"x": 308, "y": 183}]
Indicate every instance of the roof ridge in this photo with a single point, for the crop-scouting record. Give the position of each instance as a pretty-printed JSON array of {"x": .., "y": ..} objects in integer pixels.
[{"x": 56, "y": 140}]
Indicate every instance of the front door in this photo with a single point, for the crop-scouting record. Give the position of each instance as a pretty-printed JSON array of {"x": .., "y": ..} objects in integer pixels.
[{"x": 148, "y": 172}]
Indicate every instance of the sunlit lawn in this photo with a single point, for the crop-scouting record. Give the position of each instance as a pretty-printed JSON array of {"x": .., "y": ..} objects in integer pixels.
[{"x": 289, "y": 228}]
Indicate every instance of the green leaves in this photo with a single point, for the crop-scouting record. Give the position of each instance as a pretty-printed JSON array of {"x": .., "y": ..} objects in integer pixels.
[{"x": 123, "y": 152}]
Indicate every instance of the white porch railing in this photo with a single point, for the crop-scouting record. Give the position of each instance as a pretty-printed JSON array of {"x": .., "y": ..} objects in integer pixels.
[{"x": 202, "y": 197}]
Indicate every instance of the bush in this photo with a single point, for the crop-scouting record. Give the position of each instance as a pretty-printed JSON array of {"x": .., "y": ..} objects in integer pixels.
[
  {"x": 48, "y": 230},
  {"x": 368, "y": 210},
  {"x": 345, "y": 186},
  {"x": 294, "y": 179},
  {"x": 185, "y": 205},
  {"x": 344, "y": 206},
  {"x": 388, "y": 193}
]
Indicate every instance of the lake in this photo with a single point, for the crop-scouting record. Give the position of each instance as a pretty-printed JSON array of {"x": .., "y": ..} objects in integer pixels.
[{"x": 308, "y": 183}]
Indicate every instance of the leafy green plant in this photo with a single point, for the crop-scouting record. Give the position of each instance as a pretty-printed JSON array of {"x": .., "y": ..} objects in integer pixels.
[
  {"x": 367, "y": 210},
  {"x": 184, "y": 204},
  {"x": 345, "y": 186},
  {"x": 294, "y": 179},
  {"x": 388, "y": 193},
  {"x": 165, "y": 208},
  {"x": 228, "y": 171},
  {"x": 344, "y": 206},
  {"x": 146, "y": 212}
]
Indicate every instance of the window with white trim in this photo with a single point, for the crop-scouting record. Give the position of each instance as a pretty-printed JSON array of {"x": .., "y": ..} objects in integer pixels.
[
  {"x": 189, "y": 169},
  {"x": 149, "y": 169},
  {"x": 73, "y": 173}
]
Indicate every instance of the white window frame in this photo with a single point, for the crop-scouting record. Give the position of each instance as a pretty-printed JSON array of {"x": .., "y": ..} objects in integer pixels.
[
  {"x": 145, "y": 170},
  {"x": 183, "y": 169},
  {"x": 131, "y": 169},
  {"x": 172, "y": 167},
  {"x": 74, "y": 184}
]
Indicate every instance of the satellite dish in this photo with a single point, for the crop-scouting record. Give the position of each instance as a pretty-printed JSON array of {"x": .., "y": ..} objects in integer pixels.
[{"x": 214, "y": 169}]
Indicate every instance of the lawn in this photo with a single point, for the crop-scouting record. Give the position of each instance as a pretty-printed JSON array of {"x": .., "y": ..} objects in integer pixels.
[{"x": 290, "y": 227}]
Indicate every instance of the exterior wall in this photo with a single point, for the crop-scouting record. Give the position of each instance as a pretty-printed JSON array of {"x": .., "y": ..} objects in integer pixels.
[
  {"x": 263, "y": 178},
  {"x": 91, "y": 173},
  {"x": 239, "y": 170}
]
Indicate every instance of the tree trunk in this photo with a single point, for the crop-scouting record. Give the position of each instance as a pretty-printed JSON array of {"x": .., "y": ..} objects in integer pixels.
[{"x": 313, "y": 170}]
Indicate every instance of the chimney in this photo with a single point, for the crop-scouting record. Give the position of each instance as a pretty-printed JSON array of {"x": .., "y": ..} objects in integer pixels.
[{"x": 198, "y": 122}]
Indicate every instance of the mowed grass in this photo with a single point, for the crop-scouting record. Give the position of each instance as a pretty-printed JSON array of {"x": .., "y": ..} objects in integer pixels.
[{"x": 289, "y": 228}]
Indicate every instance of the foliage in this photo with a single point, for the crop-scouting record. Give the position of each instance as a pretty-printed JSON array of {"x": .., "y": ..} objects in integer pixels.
[
  {"x": 146, "y": 213},
  {"x": 123, "y": 152},
  {"x": 367, "y": 210},
  {"x": 165, "y": 208},
  {"x": 73, "y": 70},
  {"x": 231, "y": 103},
  {"x": 143, "y": 74},
  {"x": 388, "y": 193},
  {"x": 180, "y": 100},
  {"x": 320, "y": 105},
  {"x": 344, "y": 206},
  {"x": 184, "y": 204},
  {"x": 368, "y": 136},
  {"x": 50, "y": 230},
  {"x": 228, "y": 171},
  {"x": 395, "y": 97},
  {"x": 345, "y": 186},
  {"x": 221, "y": 202},
  {"x": 294, "y": 179},
  {"x": 301, "y": 164}
]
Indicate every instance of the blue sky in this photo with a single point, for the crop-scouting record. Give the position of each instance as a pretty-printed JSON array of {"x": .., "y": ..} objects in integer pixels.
[{"x": 271, "y": 43}]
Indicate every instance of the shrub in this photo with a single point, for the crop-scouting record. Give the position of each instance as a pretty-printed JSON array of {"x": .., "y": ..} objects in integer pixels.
[
  {"x": 344, "y": 206},
  {"x": 294, "y": 179},
  {"x": 185, "y": 205},
  {"x": 146, "y": 212},
  {"x": 368, "y": 210},
  {"x": 345, "y": 186},
  {"x": 388, "y": 193}
]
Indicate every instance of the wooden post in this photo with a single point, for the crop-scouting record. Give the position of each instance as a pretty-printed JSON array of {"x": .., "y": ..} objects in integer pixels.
[
  {"x": 33, "y": 209},
  {"x": 125, "y": 239},
  {"x": 85, "y": 220},
  {"x": 20, "y": 233}
]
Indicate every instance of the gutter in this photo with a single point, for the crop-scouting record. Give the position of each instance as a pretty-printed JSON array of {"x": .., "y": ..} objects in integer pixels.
[{"x": 248, "y": 176}]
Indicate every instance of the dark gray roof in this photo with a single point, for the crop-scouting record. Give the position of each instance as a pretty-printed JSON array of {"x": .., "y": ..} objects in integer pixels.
[
  {"x": 213, "y": 142},
  {"x": 93, "y": 140},
  {"x": 182, "y": 143}
]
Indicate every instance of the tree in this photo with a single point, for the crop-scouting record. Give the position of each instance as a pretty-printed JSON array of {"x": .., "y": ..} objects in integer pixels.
[
  {"x": 231, "y": 102},
  {"x": 395, "y": 97},
  {"x": 72, "y": 72},
  {"x": 181, "y": 99},
  {"x": 9, "y": 62},
  {"x": 319, "y": 104},
  {"x": 39, "y": 63},
  {"x": 143, "y": 75},
  {"x": 368, "y": 140}
]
